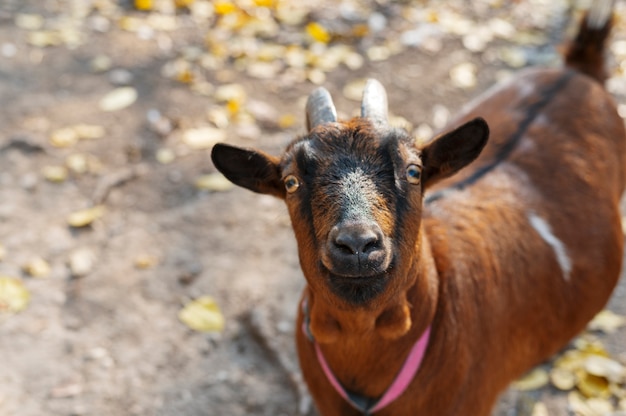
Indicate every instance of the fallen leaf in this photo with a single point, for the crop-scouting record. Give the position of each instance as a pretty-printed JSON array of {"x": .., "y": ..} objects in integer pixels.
[
  {"x": 29, "y": 21},
  {"x": 533, "y": 380},
  {"x": 223, "y": 7},
  {"x": 593, "y": 386},
  {"x": 202, "y": 314},
  {"x": 562, "y": 379},
  {"x": 605, "y": 367},
  {"x": 607, "y": 321},
  {"x": 203, "y": 138},
  {"x": 286, "y": 120},
  {"x": 85, "y": 217},
  {"x": 230, "y": 92},
  {"x": 143, "y": 4},
  {"x": 165, "y": 156},
  {"x": 118, "y": 99},
  {"x": 213, "y": 182},
  {"x": 353, "y": 90},
  {"x": 55, "y": 174},
  {"x": 464, "y": 75},
  {"x": 37, "y": 267},
  {"x": 146, "y": 261},
  {"x": 89, "y": 131},
  {"x": 318, "y": 32},
  {"x": 64, "y": 137},
  {"x": 14, "y": 297},
  {"x": 81, "y": 261},
  {"x": 540, "y": 409}
]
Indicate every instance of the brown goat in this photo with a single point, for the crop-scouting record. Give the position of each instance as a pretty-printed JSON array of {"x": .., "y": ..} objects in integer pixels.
[{"x": 495, "y": 269}]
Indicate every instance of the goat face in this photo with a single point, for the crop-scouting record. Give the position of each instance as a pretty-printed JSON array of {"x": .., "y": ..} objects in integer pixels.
[{"x": 354, "y": 193}]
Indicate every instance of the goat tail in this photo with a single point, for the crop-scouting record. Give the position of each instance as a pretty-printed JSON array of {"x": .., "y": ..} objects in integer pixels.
[{"x": 586, "y": 52}]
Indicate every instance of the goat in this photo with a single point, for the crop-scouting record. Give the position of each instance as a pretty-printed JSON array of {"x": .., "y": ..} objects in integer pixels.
[{"x": 428, "y": 293}]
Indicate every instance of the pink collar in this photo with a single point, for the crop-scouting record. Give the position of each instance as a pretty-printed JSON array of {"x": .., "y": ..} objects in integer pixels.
[{"x": 404, "y": 377}]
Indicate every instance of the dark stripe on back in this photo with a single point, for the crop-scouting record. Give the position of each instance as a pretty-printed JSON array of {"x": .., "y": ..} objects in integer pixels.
[{"x": 533, "y": 111}]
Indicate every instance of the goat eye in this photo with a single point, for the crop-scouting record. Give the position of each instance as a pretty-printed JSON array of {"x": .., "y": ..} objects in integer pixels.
[
  {"x": 291, "y": 184},
  {"x": 413, "y": 174}
]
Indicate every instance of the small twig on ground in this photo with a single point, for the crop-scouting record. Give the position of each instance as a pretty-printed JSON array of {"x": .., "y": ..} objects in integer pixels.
[
  {"x": 23, "y": 144},
  {"x": 112, "y": 180},
  {"x": 257, "y": 323}
]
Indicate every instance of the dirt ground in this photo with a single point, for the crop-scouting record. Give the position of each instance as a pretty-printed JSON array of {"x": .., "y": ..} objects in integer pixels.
[{"x": 107, "y": 340}]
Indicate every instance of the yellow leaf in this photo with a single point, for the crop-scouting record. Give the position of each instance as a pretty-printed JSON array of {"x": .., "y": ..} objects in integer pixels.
[
  {"x": 318, "y": 32},
  {"x": 562, "y": 379},
  {"x": 605, "y": 367},
  {"x": 118, "y": 99},
  {"x": 202, "y": 314},
  {"x": 89, "y": 131},
  {"x": 143, "y": 4},
  {"x": 37, "y": 267},
  {"x": 14, "y": 297},
  {"x": 233, "y": 106},
  {"x": 183, "y": 3},
  {"x": 593, "y": 386},
  {"x": 533, "y": 380},
  {"x": 286, "y": 120},
  {"x": 146, "y": 261},
  {"x": 607, "y": 321},
  {"x": 85, "y": 217},
  {"x": 64, "y": 137},
  {"x": 214, "y": 182},
  {"x": 55, "y": 174},
  {"x": 224, "y": 7},
  {"x": 264, "y": 3}
]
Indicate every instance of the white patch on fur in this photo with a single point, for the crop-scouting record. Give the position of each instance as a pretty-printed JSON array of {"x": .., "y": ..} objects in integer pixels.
[
  {"x": 600, "y": 13},
  {"x": 545, "y": 231}
]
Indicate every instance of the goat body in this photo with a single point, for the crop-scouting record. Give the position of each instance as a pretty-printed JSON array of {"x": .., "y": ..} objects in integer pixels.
[{"x": 505, "y": 261}]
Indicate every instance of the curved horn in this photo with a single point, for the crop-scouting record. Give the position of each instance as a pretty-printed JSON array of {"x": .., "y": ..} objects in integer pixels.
[
  {"x": 320, "y": 108},
  {"x": 374, "y": 104}
]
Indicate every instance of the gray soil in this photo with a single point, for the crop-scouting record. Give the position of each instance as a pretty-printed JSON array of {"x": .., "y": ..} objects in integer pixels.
[{"x": 110, "y": 342}]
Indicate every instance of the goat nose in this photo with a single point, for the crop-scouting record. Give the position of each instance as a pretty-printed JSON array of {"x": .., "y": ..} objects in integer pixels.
[{"x": 357, "y": 238}]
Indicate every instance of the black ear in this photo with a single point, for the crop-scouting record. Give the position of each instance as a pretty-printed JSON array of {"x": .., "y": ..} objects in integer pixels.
[
  {"x": 450, "y": 152},
  {"x": 251, "y": 169}
]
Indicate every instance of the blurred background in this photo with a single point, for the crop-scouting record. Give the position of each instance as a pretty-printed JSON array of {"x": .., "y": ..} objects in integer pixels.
[{"x": 134, "y": 280}]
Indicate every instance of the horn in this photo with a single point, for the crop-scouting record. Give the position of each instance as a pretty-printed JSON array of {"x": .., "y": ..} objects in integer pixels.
[
  {"x": 320, "y": 108},
  {"x": 374, "y": 104}
]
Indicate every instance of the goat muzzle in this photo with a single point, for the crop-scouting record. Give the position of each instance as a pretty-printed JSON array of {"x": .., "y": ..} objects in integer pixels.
[{"x": 357, "y": 249}]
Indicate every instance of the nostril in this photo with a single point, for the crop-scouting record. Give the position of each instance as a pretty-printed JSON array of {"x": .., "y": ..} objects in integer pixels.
[
  {"x": 355, "y": 240},
  {"x": 372, "y": 246}
]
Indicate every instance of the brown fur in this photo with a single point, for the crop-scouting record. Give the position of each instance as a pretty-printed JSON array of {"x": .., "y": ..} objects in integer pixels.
[{"x": 468, "y": 262}]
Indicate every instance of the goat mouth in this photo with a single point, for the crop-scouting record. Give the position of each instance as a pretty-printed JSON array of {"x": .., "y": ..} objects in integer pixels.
[{"x": 359, "y": 289}]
